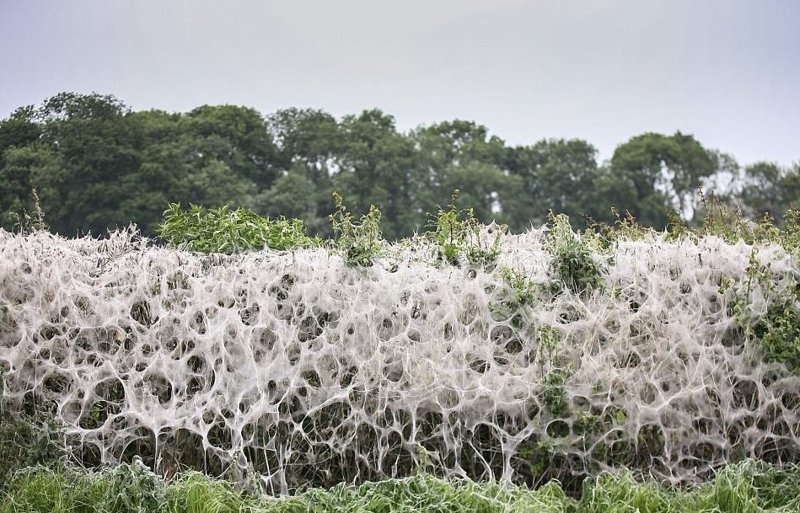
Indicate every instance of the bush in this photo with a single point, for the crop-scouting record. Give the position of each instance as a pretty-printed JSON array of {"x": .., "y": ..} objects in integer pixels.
[
  {"x": 573, "y": 264},
  {"x": 458, "y": 236},
  {"x": 227, "y": 231},
  {"x": 359, "y": 243},
  {"x": 28, "y": 441}
]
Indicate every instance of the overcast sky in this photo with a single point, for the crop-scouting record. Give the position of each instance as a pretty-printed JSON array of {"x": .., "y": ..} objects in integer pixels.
[{"x": 727, "y": 71}]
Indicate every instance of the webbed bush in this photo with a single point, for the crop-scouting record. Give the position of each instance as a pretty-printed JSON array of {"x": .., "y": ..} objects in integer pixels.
[
  {"x": 288, "y": 369},
  {"x": 775, "y": 332},
  {"x": 573, "y": 262},
  {"x": 29, "y": 439}
]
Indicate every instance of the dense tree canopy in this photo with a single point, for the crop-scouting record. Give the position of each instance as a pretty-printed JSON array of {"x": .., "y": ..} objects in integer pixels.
[{"x": 95, "y": 165}]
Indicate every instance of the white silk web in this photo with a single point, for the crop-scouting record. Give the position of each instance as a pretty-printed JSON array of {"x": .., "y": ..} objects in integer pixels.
[{"x": 299, "y": 370}]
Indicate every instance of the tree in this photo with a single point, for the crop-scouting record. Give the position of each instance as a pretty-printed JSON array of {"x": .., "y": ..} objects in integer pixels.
[
  {"x": 558, "y": 175},
  {"x": 462, "y": 155},
  {"x": 460, "y": 141},
  {"x": 483, "y": 188},
  {"x": 376, "y": 166},
  {"x": 770, "y": 189},
  {"x": 293, "y": 195},
  {"x": 95, "y": 149},
  {"x": 310, "y": 146},
  {"x": 310, "y": 138},
  {"x": 19, "y": 129},
  {"x": 653, "y": 173},
  {"x": 71, "y": 106},
  {"x": 238, "y": 137},
  {"x": 18, "y": 133},
  {"x": 27, "y": 169}
]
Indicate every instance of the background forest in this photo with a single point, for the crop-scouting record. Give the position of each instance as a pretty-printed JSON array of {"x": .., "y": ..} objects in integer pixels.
[{"x": 96, "y": 165}]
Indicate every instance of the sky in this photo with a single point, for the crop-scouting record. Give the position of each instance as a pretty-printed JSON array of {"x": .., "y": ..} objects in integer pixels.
[{"x": 726, "y": 71}]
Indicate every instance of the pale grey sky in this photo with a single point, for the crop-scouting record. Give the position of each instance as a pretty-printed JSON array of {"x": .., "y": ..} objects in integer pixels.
[{"x": 726, "y": 71}]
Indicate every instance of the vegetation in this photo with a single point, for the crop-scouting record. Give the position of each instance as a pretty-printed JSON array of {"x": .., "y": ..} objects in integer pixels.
[
  {"x": 576, "y": 263},
  {"x": 573, "y": 264},
  {"x": 459, "y": 237},
  {"x": 92, "y": 165},
  {"x": 747, "y": 487},
  {"x": 96, "y": 165},
  {"x": 222, "y": 230},
  {"x": 775, "y": 333},
  {"x": 27, "y": 440},
  {"x": 359, "y": 243}
]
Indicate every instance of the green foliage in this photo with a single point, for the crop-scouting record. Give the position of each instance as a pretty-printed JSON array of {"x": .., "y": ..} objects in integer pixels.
[
  {"x": 729, "y": 224},
  {"x": 27, "y": 441},
  {"x": 558, "y": 175},
  {"x": 134, "y": 488},
  {"x": 678, "y": 228},
  {"x": 30, "y": 439},
  {"x": 124, "y": 489},
  {"x": 573, "y": 263},
  {"x": 790, "y": 235},
  {"x": 229, "y": 231},
  {"x": 196, "y": 493},
  {"x": 653, "y": 173},
  {"x": 624, "y": 228},
  {"x": 722, "y": 220},
  {"x": 778, "y": 334},
  {"x": 97, "y": 165},
  {"x": 549, "y": 340},
  {"x": 457, "y": 234},
  {"x": 519, "y": 293},
  {"x": 359, "y": 243},
  {"x": 747, "y": 487},
  {"x": 30, "y": 222},
  {"x": 775, "y": 333},
  {"x": 768, "y": 189},
  {"x": 524, "y": 291},
  {"x": 553, "y": 391}
]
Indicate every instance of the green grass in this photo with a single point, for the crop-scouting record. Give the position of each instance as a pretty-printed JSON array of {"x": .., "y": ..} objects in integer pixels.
[{"x": 748, "y": 487}]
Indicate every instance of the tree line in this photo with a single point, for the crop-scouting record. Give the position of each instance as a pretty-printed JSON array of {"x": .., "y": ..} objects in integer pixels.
[{"x": 92, "y": 164}]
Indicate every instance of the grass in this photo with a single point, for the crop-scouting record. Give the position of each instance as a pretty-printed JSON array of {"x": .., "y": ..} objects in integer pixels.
[{"x": 747, "y": 487}]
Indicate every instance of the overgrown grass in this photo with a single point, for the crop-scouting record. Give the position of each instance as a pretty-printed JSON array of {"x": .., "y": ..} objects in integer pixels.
[{"x": 747, "y": 487}]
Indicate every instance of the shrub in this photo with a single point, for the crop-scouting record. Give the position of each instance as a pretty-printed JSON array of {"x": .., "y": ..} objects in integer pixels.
[
  {"x": 359, "y": 243},
  {"x": 458, "y": 236},
  {"x": 573, "y": 264},
  {"x": 776, "y": 333},
  {"x": 123, "y": 489},
  {"x": 519, "y": 293},
  {"x": 26, "y": 222},
  {"x": 31, "y": 439},
  {"x": 227, "y": 231}
]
